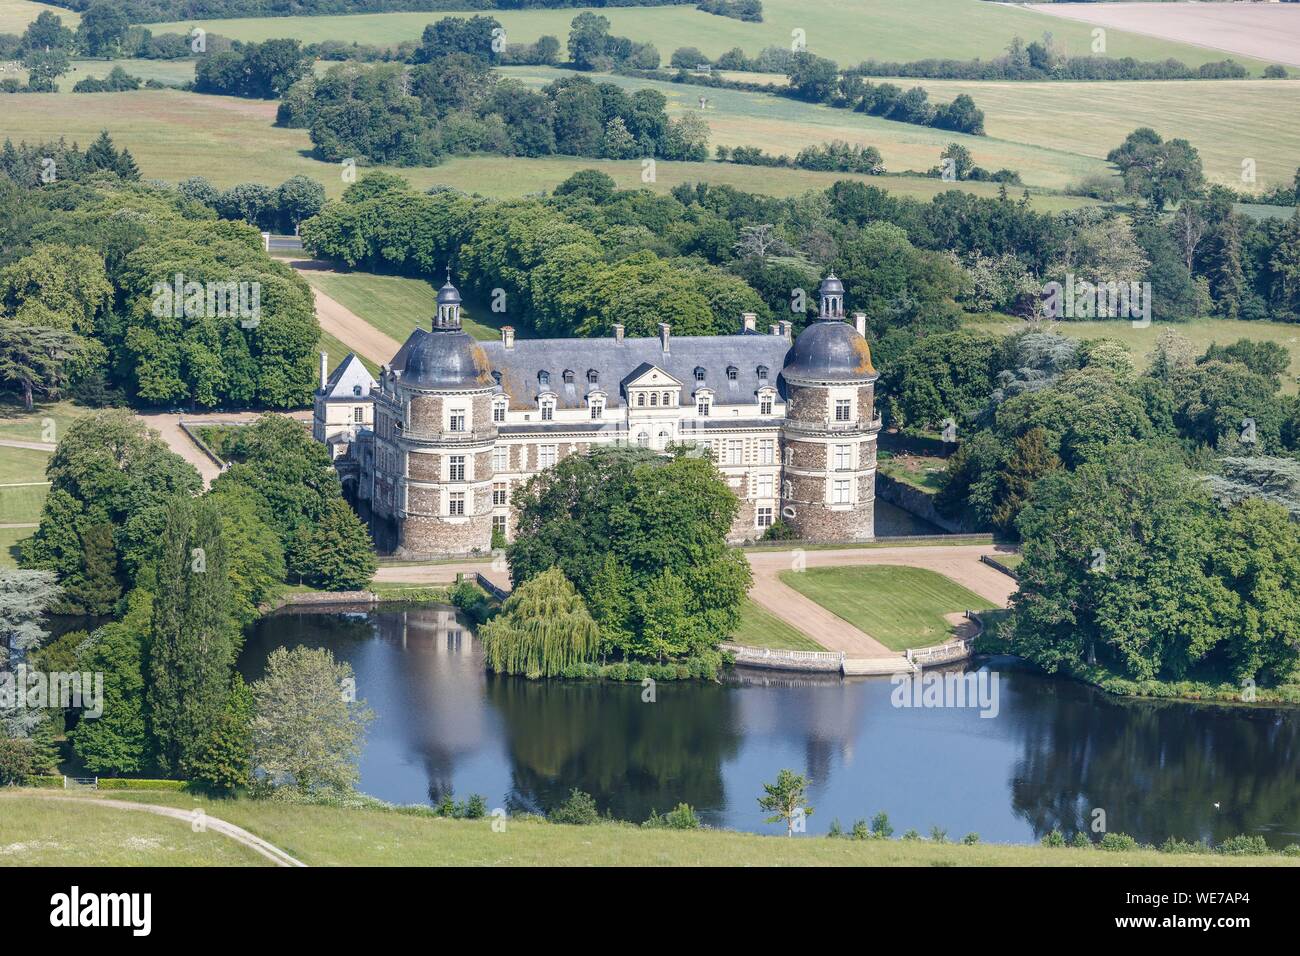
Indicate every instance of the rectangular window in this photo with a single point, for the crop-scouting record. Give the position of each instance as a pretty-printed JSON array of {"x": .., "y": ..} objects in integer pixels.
[
  {"x": 545, "y": 456},
  {"x": 735, "y": 451},
  {"x": 548, "y": 412},
  {"x": 702, "y": 408},
  {"x": 840, "y": 492},
  {"x": 843, "y": 457},
  {"x": 500, "y": 494},
  {"x": 456, "y": 468},
  {"x": 500, "y": 458},
  {"x": 358, "y": 414},
  {"x": 499, "y": 412},
  {"x": 499, "y": 523},
  {"x": 843, "y": 406},
  {"x": 597, "y": 410},
  {"x": 456, "y": 503},
  {"x": 765, "y": 405},
  {"x": 764, "y": 486},
  {"x": 458, "y": 420},
  {"x": 764, "y": 519},
  {"x": 767, "y": 451}
]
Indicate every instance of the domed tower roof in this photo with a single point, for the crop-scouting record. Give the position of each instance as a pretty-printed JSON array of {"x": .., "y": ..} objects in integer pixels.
[
  {"x": 448, "y": 294},
  {"x": 831, "y": 286},
  {"x": 446, "y": 358},
  {"x": 829, "y": 349}
]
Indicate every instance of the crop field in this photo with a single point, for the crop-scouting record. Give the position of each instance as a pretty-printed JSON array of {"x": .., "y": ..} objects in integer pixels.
[
  {"x": 174, "y": 135},
  {"x": 781, "y": 125},
  {"x": 171, "y": 72},
  {"x": 1228, "y": 121},
  {"x": 1265, "y": 30},
  {"x": 847, "y": 31},
  {"x": 1202, "y": 333},
  {"x": 16, "y": 14}
]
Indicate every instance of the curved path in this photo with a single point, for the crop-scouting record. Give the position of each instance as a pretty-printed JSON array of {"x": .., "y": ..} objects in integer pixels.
[
  {"x": 338, "y": 320},
  {"x": 238, "y": 834}
]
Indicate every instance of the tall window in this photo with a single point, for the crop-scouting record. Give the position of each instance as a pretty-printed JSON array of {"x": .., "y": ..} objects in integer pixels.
[
  {"x": 456, "y": 503},
  {"x": 592, "y": 376},
  {"x": 545, "y": 456},
  {"x": 456, "y": 468},
  {"x": 654, "y": 399},
  {"x": 735, "y": 451},
  {"x": 500, "y": 494},
  {"x": 763, "y": 518},
  {"x": 763, "y": 487},
  {"x": 548, "y": 411},
  {"x": 500, "y": 458},
  {"x": 843, "y": 457},
  {"x": 643, "y": 440},
  {"x": 840, "y": 492},
  {"x": 765, "y": 404},
  {"x": 766, "y": 451},
  {"x": 458, "y": 419},
  {"x": 597, "y": 409},
  {"x": 702, "y": 407},
  {"x": 640, "y": 399},
  {"x": 762, "y": 373},
  {"x": 544, "y": 379},
  {"x": 499, "y": 523},
  {"x": 499, "y": 411},
  {"x": 843, "y": 407},
  {"x": 668, "y": 399},
  {"x": 359, "y": 414}
]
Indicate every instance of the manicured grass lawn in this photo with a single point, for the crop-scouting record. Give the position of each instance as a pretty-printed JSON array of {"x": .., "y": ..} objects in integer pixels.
[
  {"x": 22, "y": 504},
  {"x": 337, "y": 350},
  {"x": 40, "y": 832},
  {"x": 22, "y": 464},
  {"x": 21, "y": 425},
  {"x": 9, "y": 538},
  {"x": 847, "y": 31},
  {"x": 395, "y": 305},
  {"x": 759, "y": 627},
  {"x": 327, "y": 836},
  {"x": 919, "y": 471},
  {"x": 1201, "y": 333},
  {"x": 898, "y": 606}
]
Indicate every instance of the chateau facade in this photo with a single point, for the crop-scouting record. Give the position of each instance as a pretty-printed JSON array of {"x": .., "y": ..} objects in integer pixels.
[{"x": 436, "y": 450}]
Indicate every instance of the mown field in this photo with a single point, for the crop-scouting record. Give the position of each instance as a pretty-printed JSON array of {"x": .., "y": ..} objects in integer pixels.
[
  {"x": 847, "y": 31},
  {"x": 759, "y": 627},
  {"x": 1202, "y": 333},
  {"x": 899, "y": 606},
  {"x": 174, "y": 135},
  {"x": 16, "y": 14},
  {"x": 326, "y": 836}
]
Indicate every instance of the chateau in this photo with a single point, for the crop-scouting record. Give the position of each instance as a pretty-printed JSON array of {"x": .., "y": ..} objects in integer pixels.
[{"x": 436, "y": 449}]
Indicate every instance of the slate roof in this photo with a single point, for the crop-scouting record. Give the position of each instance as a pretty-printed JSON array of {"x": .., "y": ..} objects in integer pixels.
[
  {"x": 349, "y": 376},
  {"x": 617, "y": 362}
]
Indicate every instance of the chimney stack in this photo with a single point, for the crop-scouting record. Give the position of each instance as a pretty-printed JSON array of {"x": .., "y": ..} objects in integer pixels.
[
  {"x": 860, "y": 320},
  {"x": 664, "y": 330},
  {"x": 774, "y": 328},
  {"x": 618, "y": 331},
  {"x": 748, "y": 322},
  {"x": 508, "y": 336},
  {"x": 324, "y": 369},
  {"x": 786, "y": 327}
]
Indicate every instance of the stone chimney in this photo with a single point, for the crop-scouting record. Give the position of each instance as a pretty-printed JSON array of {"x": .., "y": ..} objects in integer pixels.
[
  {"x": 748, "y": 322},
  {"x": 618, "y": 331},
  {"x": 508, "y": 336},
  {"x": 324, "y": 369},
  {"x": 774, "y": 328},
  {"x": 786, "y": 327},
  {"x": 664, "y": 332},
  {"x": 860, "y": 321}
]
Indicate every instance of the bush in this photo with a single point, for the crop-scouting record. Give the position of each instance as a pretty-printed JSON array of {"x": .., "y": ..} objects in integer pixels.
[
  {"x": 938, "y": 834},
  {"x": 970, "y": 839},
  {"x": 44, "y": 782},
  {"x": 1179, "y": 846},
  {"x": 1118, "y": 843},
  {"x": 881, "y": 828},
  {"x": 1056, "y": 839},
  {"x": 1242, "y": 845},
  {"x": 578, "y": 810},
  {"x": 1291, "y": 849},
  {"x": 681, "y": 817},
  {"x": 1081, "y": 841},
  {"x": 15, "y": 760},
  {"x": 911, "y": 834},
  {"x": 860, "y": 831},
  {"x": 135, "y": 783}
]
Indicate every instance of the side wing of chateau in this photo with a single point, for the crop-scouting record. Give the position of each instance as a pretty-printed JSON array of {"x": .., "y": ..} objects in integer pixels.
[{"x": 437, "y": 448}]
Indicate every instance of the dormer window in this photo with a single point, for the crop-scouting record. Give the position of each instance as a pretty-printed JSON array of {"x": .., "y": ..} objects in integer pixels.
[
  {"x": 499, "y": 410},
  {"x": 548, "y": 411},
  {"x": 732, "y": 372},
  {"x": 568, "y": 376},
  {"x": 762, "y": 373},
  {"x": 699, "y": 374},
  {"x": 544, "y": 379},
  {"x": 593, "y": 377},
  {"x": 765, "y": 403},
  {"x": 356, "y": 389}
]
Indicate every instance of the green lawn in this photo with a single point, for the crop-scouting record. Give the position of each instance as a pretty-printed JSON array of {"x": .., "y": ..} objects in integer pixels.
[
  {"x": 396, "y": 305},
  {"x": 847, "y": 31},
  {"x": 22, "y": 505},
  {"x": 171, "y": 72},
  {"x": 1201, "y": 333},
  {"x": 898, "y": 606},
  {"x": 328, "y": 836},
  {"x": 22, "y": 464},
  {"x": 15, "y": 15},
  {"x": 759, "y": 627},
  {"x": 9, "y": 538},
  {"x": 919, "y": 471},
  {"x": 41, "y": 832},
  {"x": 337, "y": 350},
  {"x": 45, "y": 423}
]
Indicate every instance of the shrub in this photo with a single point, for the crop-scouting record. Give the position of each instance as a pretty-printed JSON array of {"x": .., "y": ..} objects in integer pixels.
[
  {"x": 135, "y": 783},
  {"x": 1291, "y": 849},
  {"x": 1242, "y": 845},
  {"x": 938, "y": 834},
  {"x": 860, "y": 831},
  {"x": 43, "y": 782},
  {"x": 1055, "y": 838},
  {"x": 1118, "y": 843},
  {"x": 970, "y": 839},
  {"x": 578, "y": 810},
  {"x": 881, "y": 828},
  {"x": 1179, "y": 846},
  {"x": 15, "y": 760},
  {"x": 835, "y": 830},
  {"x": 681, "y": 817},
  {"x": 911, "y": 834},
  {"x": 1081, "y": 841}
]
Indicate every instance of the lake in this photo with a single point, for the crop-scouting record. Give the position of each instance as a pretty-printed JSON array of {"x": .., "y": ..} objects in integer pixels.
[{"x": 1055, "y": 752}]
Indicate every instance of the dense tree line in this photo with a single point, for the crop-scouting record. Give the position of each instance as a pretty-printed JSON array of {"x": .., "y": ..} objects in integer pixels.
[
  {"x": 241, "y": 329},
  {"x": 836, "y": 156},
  {"x": 274, "y": 209},
  {"x": 1043, "y": 60},
  {"x": 158, "y": 11},
  {"x": 456, "y": 103},
  {"x": 257, "y": 70},
  {"x": 750, "y": 11}
]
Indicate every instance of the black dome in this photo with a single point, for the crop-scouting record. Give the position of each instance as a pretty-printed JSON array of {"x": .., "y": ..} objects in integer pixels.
[
  {"x": 829, "y": 351},
  {"x": 446, "y": 359},
  {"x": 449, "y": 294}
]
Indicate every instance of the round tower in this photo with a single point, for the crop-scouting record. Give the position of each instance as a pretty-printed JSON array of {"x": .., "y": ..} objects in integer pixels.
[
  {"x": 446, "y": 438},
  {"x": 829, "y": 437}
]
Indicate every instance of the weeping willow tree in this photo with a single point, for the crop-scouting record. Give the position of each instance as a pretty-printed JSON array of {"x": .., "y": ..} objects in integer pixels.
[{"x": 543, "y": 628}]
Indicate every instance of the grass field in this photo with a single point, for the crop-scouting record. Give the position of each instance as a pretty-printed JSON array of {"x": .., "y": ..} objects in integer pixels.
[
  {"x": 395, "y": 305},
  {"x": 337, "y": 350},
  {"x": 898, "y": 606},
  {"x": 847, "y": 31},
  {"x": 22, "y": 505},
  {"x": 174, "y": 135},
  {"x": 919, "y": 471},
  {"x": 172, "y": 72},
  {"x": 759, "y": 627},
  {"x": 15, "y": 15},
  {"x": 40, "y": 832},
  {"x": 781, "y": 125},
  {"x": 1201, "y": 334},
  {"x": 9, "y": 538},
  {"x": 22, "y": 464},
  {"x": 1228, "y": 122},
  {"x": 328, "y": 836},
  {"x": 45, "y": 423}
]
